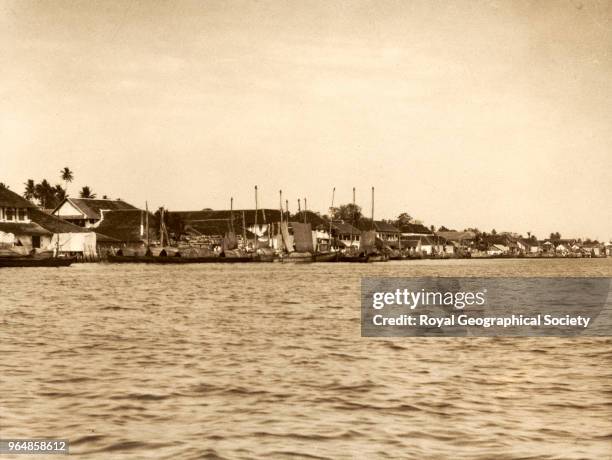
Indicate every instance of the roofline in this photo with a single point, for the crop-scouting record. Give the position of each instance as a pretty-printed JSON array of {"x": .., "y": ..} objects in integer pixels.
[{"x": 72, "y": 203}]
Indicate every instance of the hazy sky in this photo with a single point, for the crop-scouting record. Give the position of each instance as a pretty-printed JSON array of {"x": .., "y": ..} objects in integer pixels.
[{"x": 490, "y": 114}]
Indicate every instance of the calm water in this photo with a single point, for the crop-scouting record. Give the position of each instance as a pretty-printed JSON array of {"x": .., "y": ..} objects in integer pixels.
[{"x": 266, "y": 361}]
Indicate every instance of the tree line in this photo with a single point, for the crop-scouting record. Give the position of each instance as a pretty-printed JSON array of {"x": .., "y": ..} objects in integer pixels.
[{"x": 50, "y": 196}]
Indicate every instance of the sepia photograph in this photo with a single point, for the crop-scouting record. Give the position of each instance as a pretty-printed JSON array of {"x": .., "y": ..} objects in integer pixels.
[{"x": 321, "y": 229}]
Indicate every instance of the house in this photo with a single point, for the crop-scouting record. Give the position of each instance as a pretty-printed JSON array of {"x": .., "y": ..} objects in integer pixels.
[
  {"x": 529, "y": 246},
  {"x": 345, "y": 234},
  {"x": 24, "y": 226},
  {"x": 592, "y": 249},
  {"x": 125, "y": 229},
  {"x": 462, "y": 242},
  {"x": 387, "y": 233},
  {"x": 16, "y": 226},
  {"x": 498, "y": 250},
  {"x": 87, "y": 212}
]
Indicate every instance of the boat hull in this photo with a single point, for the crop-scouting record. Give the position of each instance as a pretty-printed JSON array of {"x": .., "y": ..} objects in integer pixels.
[
  {"x": 326, "y": 257},
  {"x": 177, "y": 260},
  {"x": 33, "y": 262}
]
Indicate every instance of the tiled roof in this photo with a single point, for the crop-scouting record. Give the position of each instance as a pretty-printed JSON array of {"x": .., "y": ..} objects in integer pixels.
[
  {"x": 92, "y": 207},
  {"x": 124, "y": 225},
  {"x": 22, "y": 228},
  {"x": 345, "y": 228},
  {"x": 263, "y": 216},
  {"x": 414, "y": 228},
  {"x": 10, "y": 199},
  {"x": 457, "y": 236},
  {"x": 386, "y": 227}
]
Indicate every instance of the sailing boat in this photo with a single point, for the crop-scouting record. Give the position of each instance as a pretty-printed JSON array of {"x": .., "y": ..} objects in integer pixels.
[
  {"x": 368, "y": 241},
  {"x": 350, "y": 254}
]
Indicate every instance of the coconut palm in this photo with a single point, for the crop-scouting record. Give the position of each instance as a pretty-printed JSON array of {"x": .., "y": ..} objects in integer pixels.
[
  {"x": 30, "y": 190},
  {"x": 86, "y": 192},
  {"x": 67, "y": 176}
]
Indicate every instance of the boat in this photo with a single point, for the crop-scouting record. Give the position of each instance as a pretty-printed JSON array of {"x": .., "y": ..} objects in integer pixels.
[
  {"x": 29, "y": 261},
  {"x": 326, "y": 257},
  {"x": 353, "y": 258},
  {"x": 178, "y": 260}
]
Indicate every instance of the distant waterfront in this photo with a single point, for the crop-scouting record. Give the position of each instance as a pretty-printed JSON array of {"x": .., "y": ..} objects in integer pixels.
[{"x": 267, "y": 361}]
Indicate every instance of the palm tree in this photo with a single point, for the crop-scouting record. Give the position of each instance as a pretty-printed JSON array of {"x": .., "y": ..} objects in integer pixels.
[
  {"x": 67, "y": 176},
  {"x": 60, "y": 193},
  {"x": 86, "y": 192},
  {"x": 45, "y": 193},
  {"x": 30, "y": 190}
]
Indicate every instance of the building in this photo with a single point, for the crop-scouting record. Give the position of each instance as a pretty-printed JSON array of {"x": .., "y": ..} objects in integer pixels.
[
  {"x": 24, "y": 226},
  {"x": 126, "y": 229},
  {"x": 16, "y": 226},
  {"x": 87, "y": 212},
  {"x": 388, "y": 233},
  {"x": 346, "y": 235}
]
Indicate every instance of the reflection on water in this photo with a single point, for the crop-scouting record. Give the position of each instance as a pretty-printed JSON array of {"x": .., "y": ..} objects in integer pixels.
[{"x": 267, "y": 361}]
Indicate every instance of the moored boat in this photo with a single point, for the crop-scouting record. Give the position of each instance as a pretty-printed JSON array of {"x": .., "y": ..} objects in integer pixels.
[
  {"x": 36, "y": 262},
  {"x": 326, "y": 257}
]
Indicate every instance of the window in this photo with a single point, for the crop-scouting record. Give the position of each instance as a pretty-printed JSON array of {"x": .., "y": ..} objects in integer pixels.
[
  {"x": 36, "y": 241},
  {"x": 10, "y": 214},
  {"x": 22, "y": 214}
]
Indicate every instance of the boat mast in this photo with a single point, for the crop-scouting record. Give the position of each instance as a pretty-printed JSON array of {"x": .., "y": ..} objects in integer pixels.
[
  {"x": 147, "y": 222},
  {"x": 372, "y": 207},
  {"x": 57, "y": 245},
  {"x": 305, "y": 210},
  {"x": 256, "y": 228},
  {"x": 331, "y": 218},
  {"x": 352, "y": 217},
  {"x": 232, "y": 214},
  {"x": 244, "y": 240},
  {"x": 280, "y": 229}
]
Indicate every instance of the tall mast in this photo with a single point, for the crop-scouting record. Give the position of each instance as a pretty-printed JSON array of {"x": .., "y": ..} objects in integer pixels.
[
  {"x": 352, "y": 217},
  {"x": 280, "y": 194},
  {"x": 372, "y": 207},
  {"x": 299, "y": 207},
  {"x": 244, "y": 239},
  {"x": 147, "y": 222},
  {"x": 232, "y": 214},
  {"x": 305, "y": 210},
  {"x": 331, "y": 218},
  {"x": 161, "y": 226},
  {"x": 256, "y": 207}
]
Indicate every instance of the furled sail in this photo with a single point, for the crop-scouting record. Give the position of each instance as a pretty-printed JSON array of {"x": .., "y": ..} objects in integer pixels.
[
  {"x": 230, "y": 241},
  {"x": 287, "y": 239},
  {"x": 302, "y": 234},
  {"x": 367, "y": 242}
]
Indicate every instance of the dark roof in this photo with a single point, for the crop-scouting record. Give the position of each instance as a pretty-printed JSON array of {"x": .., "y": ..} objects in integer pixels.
[
  {"x": 124, "y": 225},
  {"x": 91, "y": 207},
  {"x": 457, "y": 236},
  {"x": 10, "y": 199},
  {"x": 55, "y": 225},
  {"x": 424, "y": 239},
  {"x": 311, "y": 217},
  {"x": 386, "y": 227},
  {"x": 414, "y": 228},
  {"x": 263, "y": 216},
  {"x": 211, "y": 227},
  {"x": 22, "y": 228},
  {"x": 345, "y": 228}
]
